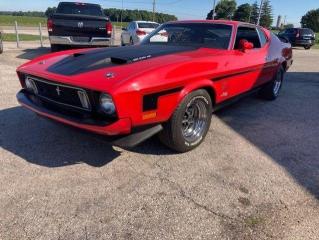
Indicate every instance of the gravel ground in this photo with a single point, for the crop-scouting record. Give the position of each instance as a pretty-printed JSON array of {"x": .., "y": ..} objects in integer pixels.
[{"x": 255, "y": 177}]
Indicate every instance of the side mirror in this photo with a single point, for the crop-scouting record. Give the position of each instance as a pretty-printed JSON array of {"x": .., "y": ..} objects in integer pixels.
[
  {"x": 124, "y": 29},
  {"x": 245, "y": 45}
]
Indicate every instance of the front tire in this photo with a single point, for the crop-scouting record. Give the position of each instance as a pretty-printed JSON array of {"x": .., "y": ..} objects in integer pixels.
[
  {"x": 271, "y": 91},
  {"x": 131, "y": 42},
  {"x": 190, "y": 122},
  {"x": 307, "y": 47},
  {"x": 122, "y": 42}
]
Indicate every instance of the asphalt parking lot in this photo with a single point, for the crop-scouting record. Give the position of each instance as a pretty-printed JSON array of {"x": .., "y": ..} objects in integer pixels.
[{"x": 255, "y": 177}]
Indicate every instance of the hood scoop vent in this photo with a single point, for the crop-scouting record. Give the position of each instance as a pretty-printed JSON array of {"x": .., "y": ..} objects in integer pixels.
[
  {"x": 78, "y": 54},
  {"x": 117, "y": 60}
]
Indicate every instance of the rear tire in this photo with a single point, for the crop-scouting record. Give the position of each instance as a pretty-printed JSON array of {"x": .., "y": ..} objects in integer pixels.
[
  {"x": 307, "y": 47},
  {"x": 55, "y": 48},
  {"x": 190, "y": 122},
  {"x": 271, "y": 91}
]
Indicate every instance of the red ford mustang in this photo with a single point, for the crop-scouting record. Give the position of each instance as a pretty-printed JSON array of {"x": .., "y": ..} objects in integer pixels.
[{"x": 168, "y": 85}]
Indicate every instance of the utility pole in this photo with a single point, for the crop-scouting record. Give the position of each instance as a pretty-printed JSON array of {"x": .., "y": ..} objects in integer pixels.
[
  {"x": 260, "y": 9},
  {"x": 214, "y": 11},
  {"x": 122, "y": 14},
  {"x": 154, "y": 10}
]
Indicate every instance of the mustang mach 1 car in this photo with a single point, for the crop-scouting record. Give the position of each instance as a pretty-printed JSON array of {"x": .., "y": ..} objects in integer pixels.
[{"x": 168, "y": 85}]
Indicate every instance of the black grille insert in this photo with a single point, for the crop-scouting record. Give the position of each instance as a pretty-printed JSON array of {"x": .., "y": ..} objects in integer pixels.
[{"x": 60, "y": 94}]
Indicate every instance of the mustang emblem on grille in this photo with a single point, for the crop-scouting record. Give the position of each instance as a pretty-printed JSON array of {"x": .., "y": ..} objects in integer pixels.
[
  {"x": 58, "y": 91},
  {"x": 80, "y": 24}
]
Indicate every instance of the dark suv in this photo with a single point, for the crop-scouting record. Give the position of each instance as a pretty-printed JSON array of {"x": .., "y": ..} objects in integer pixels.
[{"x": 304, "y": 37}]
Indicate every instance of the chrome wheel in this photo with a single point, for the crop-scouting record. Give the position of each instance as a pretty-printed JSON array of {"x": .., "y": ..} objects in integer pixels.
[
  {"x": 277, "y": 83},
  {"x": 194, "y": 121}
]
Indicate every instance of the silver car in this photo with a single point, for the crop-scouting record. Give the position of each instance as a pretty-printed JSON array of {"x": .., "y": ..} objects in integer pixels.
[{"x": 136, "y": 31}]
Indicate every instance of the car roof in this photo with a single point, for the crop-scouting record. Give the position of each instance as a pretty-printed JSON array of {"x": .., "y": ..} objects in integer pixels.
[
  {"x": 140, "y": 21},
  {"x": 228, "y": 22}
]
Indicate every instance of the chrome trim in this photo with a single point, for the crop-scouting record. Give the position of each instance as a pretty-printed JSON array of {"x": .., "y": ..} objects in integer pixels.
[
  {"x": 65, "y": 86},
  {"x": 67, "y": 40},
  {"x": 33, "y": 84},
  {"x": 84, "y": 99}
]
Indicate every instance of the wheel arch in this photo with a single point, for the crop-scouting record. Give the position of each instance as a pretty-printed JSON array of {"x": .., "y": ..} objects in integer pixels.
[{"x": 206, "y": 85}]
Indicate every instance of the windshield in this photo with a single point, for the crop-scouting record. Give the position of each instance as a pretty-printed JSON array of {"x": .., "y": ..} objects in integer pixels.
[
  {"x": 306, "y": 31},
  {"x": 79, "y": 8},
  {"x": 194, "y": 34},
  {"x": 148, "y": 25}
]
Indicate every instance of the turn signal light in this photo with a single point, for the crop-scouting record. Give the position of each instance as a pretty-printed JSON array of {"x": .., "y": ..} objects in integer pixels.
[
  {"x": 140, "y": 32},
  {"x": 50, "y": 25},
  {"x": 109, "y": 28}
]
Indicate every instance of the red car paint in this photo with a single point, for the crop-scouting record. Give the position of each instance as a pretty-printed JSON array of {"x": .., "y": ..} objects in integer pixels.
[{"x": 226, "y": 73}]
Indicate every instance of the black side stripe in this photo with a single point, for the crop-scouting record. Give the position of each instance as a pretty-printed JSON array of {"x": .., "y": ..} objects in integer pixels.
[
  {"x": 150, "y": 100},
  {"x": 236, "y": 74}
]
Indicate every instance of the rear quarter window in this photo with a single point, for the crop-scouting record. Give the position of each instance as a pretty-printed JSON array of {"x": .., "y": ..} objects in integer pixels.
[{"x": 262, "y": 36}]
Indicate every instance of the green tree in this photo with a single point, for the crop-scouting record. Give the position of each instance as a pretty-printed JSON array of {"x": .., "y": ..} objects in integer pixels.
[
  {"x": 243, "y": 13},
  {"x": 266, "y": 18},
  {"x": 311, "y": 20},
  {"x": 254, "y": 13},
  {"x": 133, "y": 15},
  {"x": 50, "y": 11},
  {"x": 289, "y": 25},
  {"x": 225, "y": 9}
]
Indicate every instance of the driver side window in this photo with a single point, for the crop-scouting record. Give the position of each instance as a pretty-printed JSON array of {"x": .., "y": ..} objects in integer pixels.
[{"x": 248, "y": 33}]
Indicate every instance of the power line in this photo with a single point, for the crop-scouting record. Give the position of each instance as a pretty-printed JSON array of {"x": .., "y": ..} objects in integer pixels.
[{"x": 214, "y": 7}]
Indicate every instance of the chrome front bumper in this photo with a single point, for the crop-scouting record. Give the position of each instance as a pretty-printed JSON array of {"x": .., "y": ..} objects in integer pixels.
[{"x": 67, "y": 40}]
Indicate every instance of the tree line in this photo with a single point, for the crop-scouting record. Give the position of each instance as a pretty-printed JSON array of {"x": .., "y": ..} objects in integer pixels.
[
  {"x": 227, "y": 9},
  {"x": 114, "y": 14},
  {"x": 311, "y": 20}
]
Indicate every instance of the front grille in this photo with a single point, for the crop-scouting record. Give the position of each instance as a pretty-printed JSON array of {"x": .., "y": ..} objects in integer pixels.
[{"x": 61, "y": 94}]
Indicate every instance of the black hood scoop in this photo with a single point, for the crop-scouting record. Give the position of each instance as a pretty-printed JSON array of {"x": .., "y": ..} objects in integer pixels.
[{"x": 107, "y": 57}]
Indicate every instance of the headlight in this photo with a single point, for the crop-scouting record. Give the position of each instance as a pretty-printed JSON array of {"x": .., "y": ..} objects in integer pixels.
[
  {"x": 30, "y": 85},
  {"x": 107, "y": 104}
]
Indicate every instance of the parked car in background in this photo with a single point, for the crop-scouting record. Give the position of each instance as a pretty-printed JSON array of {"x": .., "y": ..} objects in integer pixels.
[
  {"x": 1, "y": 44},
  {"x": 168, "y": 85},
  {"x": 79, "y": 25},
  {"x": 136, "y": 31},
  {"x": 303, "y": 37}
]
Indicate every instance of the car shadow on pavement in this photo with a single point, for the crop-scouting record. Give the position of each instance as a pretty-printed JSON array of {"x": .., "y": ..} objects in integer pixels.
[
  {"x": 31, "y": 53},
  {"x": 287, "y": 129},
  {"x": 46, "y": 143}
]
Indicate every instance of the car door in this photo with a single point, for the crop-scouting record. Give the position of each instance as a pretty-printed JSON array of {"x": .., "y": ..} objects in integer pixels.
[{"x": 245, "y": 67}]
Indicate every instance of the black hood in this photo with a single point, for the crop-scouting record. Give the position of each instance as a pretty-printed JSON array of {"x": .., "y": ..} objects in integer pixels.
[{"x": 100, "y": 58}]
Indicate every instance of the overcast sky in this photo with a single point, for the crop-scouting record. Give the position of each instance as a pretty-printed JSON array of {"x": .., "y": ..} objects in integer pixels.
[{"x": 183, "y": 9}]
